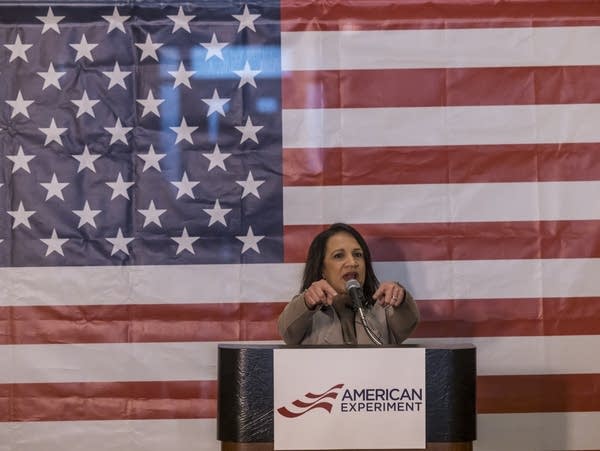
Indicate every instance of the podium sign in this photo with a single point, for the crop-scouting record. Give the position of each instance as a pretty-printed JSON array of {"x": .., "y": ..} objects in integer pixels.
[{"x": 349, "y": 398}]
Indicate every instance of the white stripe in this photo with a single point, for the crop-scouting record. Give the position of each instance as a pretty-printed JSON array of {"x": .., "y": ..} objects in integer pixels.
[
  {"x": 515, "y": 432},
  {"x": 453, "y": 202},
  {"x": 132, "y": 435},
  {"x": 198, "y": 361},
  {"x": 528, "y": 355},
  {"x": 459, "y": 279},
  {"x": 538, "y": 431},
  {"x": 496, "y": 279},
  {"x": 440, "y": 48},
  {"x": 103, "y": 285},
  {"x": 438, "y": 126},
  {"x": 109, "y": 362}
]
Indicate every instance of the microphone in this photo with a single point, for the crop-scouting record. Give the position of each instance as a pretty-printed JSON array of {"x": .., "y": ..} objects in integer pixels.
[
  {"x": 358, "y": 302},
  {"x": 356, "y": 293}
]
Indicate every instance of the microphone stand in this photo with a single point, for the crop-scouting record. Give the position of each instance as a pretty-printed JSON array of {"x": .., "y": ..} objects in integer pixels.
[{"x": 370, "y": 332}]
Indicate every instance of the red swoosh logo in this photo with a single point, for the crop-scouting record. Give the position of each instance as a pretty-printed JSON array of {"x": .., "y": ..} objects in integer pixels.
[{"x": 315, "y": 401}]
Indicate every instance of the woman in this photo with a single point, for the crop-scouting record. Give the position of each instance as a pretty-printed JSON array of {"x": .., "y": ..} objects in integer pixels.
[{"x": 323, "y": 312}]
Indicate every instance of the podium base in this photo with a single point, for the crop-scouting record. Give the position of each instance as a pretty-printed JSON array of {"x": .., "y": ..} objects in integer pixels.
[{"x": 261, "y": 446}]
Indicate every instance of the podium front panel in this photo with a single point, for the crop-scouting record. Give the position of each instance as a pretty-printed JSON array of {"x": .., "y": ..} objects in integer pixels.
[{"x": 245, "y": 394}]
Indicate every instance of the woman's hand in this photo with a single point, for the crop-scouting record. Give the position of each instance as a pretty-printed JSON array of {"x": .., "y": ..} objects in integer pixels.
[
  {"x": 389, "y": 293},
  {"x": 319, "y": 293}
]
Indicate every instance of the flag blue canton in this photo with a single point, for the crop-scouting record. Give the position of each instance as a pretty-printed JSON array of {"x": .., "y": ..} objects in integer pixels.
[{"x": 142, "y": 134}]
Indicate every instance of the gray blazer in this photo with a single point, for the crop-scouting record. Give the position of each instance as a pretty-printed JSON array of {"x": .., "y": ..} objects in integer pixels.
[{"x": 299, "y": 325}]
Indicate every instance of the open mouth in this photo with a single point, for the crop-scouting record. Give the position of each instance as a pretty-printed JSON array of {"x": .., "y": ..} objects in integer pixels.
[{"x": 350, "y": 275}]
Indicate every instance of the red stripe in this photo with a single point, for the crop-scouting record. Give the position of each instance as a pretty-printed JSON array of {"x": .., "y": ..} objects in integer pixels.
[
  {"x": 108, "y": 401},
  {"x": 464, "y": 241},
  {"x": 440, "y": 87},
  {"x": 538, "y": 393},
  {"x": 321, "y": 15},
  {"x": 197, "y": 399},
  {"x": 441, "y": 164},
  {"x": 138, "y": 323},
  {"x": 508, "y": 317},
  {"x": 439, "y": 318}
]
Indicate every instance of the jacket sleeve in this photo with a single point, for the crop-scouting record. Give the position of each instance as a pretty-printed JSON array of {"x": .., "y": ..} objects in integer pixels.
[
  {"x": 402, "y": 320},
  {"x": 295, "y": 322}
]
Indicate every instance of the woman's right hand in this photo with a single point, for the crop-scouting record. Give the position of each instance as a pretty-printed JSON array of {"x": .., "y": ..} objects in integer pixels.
[{"x": 319, "y": 293}]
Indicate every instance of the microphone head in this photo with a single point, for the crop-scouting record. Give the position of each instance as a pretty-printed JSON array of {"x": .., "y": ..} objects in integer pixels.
[{"x": 352, "y": 283}]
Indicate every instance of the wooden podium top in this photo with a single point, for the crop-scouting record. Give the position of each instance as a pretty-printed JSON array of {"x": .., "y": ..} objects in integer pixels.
[{"x": 245, "y": 397}]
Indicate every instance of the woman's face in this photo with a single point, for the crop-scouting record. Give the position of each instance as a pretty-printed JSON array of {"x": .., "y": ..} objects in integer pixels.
[{"x": 344, "y": 260}]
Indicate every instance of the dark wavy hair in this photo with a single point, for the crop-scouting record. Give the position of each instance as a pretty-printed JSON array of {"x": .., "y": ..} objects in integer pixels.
[{"x": 313, "y": 269}]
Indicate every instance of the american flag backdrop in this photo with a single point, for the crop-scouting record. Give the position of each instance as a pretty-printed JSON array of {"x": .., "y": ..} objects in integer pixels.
[{"x": 165, "y": 165}]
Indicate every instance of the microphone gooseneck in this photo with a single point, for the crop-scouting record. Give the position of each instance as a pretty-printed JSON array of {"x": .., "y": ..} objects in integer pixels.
[{"x": 358, "y": 302}]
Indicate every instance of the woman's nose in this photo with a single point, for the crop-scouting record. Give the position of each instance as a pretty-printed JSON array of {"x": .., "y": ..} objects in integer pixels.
[{"x": 352, "y": 261}]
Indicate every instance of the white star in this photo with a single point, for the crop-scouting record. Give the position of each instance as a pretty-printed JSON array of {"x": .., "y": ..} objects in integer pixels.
[
  {"x": 151, "y": 159},
  {"x": 118, "y": 132},
  {"x": 150, "y": 104},
  {"x": 215, "y": 104},
  {"x": 50, "y": 21},
  {"x": 250, "y": 241},
  {"x": 246, "y": 19},
  {"x": 115, "y": 21},
  {"x": 152, "y": 214},
  {"x": 54, "y": 188},
  {"x": 250, "y": 185},
  {"x": 216, "y": 158},
  {"x": 185, "y": 187},
  {"x": 84, "y": 49},
  {"x": 85, "y": 105},
  {"x": 20, "y": 160},
  {"x": 116, "y": 76},
  {"x": 184, "y": 132},
  {"x": 18, "y": 49},
  {"x": 184, "y": 242},
  {"x": 120, "y": 187},
  {"x": 19, "y": 105},
  {"x": 51, "y": 77},
  {"x": 148, "y": 48},
  {"x": 182, "y": 77},
  {"x": 217, "y": 214},
  {"x": 249, "y": 131},
  {"x": 54, "y": 243},
  {"x": 86, "y": 160},
  {"x": 53, "y": 133},
  {"x": 119, "y": 243},
  {"x": 214, "y": 48},
  {"x": 181, "y": 21},
  {"x": 21, "y": 216},
  {"x": 247, "y": 75},
  {"x": 86, "y": 216}
]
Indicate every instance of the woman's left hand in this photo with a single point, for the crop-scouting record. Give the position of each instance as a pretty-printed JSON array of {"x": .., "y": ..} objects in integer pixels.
[{"x": 389, "y": 293}]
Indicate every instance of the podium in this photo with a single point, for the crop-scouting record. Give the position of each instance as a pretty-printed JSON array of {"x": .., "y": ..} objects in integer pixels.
[{"x": 245, "y": 397}]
